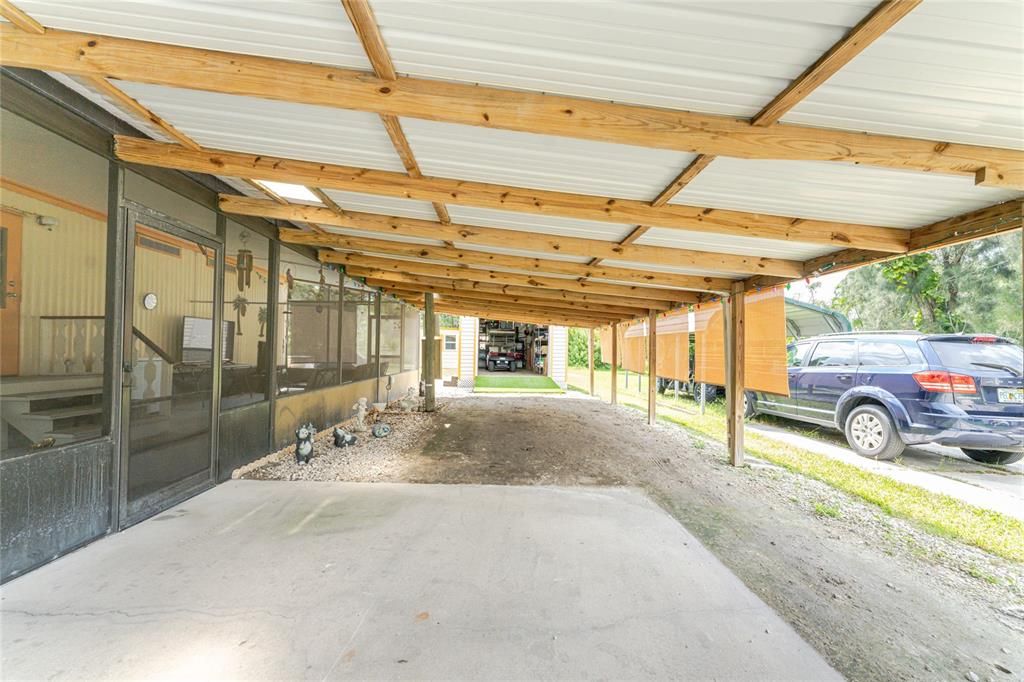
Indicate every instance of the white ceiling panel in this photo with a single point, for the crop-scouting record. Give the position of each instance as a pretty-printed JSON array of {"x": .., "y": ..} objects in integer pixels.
[
  {"x": 259, "y": 126},
  {"x": 951, "y": 71},
  {"x": 371, "y": 203},
  {"x": 728, "y": 58},
  {"x": 824, "y": 190},
  {"x": 722, "y": 243},
  {"x": 542, "y": 161},
  {"x": 530, "y": 222},
  {"x": 307, "y": 31}
]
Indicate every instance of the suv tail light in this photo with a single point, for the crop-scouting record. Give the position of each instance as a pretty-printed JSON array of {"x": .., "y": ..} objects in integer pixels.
[
  {"x": 984, "y": 339},
  {"x": 941, "y": 381}
]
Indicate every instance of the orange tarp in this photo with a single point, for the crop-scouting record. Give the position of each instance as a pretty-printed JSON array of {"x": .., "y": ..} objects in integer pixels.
[
  {"x": 633, "y": 348},
  {"x": 765, "y": 349},
  {"x": 673, "y": 354}
]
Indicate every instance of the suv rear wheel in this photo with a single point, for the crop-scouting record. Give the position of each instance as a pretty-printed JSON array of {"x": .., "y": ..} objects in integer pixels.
[
  {"x": 871, "y": 433},
  {"x": 993, "y": 456}
]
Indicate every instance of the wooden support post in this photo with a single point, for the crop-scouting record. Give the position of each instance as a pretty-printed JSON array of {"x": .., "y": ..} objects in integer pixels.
[
  {"x": 590, "y": 357},
  {"x": 615, "y": 363},
  {"x": 652, "y": 366},
  {"x": 429, "y": 334},
  {"x": 735, "y": 333}
]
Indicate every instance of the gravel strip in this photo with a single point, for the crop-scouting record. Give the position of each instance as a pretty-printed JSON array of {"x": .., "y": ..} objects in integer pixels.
[{"x": 370, "y": 459}]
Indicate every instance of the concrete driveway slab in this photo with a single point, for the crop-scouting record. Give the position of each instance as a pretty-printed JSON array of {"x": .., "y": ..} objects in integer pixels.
[{"x": 273, "y": 580}]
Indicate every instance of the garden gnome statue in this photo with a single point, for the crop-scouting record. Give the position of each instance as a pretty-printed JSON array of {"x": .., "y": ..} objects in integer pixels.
[
  {"x": 361, "y": 407},
  {"x": 411, "y": 400}
]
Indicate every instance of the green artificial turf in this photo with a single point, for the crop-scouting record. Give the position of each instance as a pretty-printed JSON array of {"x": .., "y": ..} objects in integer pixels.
[{"x": 515, "y": 383}]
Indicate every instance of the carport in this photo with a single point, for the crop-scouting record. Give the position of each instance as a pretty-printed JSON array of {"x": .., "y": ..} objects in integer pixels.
[
  {"x": 549, "y": 164},
  {"x": 570, "y": 164}
]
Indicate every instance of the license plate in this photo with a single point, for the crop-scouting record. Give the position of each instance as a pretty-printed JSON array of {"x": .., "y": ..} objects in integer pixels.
[{"x": 1011, "y": 395}]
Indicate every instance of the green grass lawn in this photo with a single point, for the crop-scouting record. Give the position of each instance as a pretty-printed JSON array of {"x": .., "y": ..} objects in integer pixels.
[
  {"x": 939, "y": 514},
  {"x": 515, "y": 383}
]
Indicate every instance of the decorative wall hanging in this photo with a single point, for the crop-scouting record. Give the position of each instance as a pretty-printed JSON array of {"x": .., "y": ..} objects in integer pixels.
[
  {"x": 239, "y": 305},
  {"x": 243, "y": 266}
]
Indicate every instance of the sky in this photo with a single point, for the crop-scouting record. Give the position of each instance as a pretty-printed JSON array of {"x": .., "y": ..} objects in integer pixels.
[{"x": 799, "y": 290}]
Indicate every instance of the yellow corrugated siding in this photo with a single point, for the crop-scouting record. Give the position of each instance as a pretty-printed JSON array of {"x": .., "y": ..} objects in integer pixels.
[{"x": 63, "y": 270}]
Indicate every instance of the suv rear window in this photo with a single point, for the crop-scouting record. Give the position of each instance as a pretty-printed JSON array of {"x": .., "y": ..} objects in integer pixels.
[
  {"x": 882, "y": 354},
  {"x": 834, "y": 354},
  {"x": 969, "y": 355}
]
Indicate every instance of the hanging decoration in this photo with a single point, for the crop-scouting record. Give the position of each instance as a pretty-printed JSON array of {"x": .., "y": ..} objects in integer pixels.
[
  {"x": 243, "y": 265},
  {"x": 290, "y": 280},
  {"x": 240, "y": 304},
  {"x": 320, "y": 291}
]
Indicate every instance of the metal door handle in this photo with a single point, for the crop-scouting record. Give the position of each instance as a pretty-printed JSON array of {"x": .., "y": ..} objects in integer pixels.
[{"x": 844, "y": 377}]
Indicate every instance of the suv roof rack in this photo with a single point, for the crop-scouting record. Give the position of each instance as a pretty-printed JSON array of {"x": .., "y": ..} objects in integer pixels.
[{"x": 911, "y": 332}]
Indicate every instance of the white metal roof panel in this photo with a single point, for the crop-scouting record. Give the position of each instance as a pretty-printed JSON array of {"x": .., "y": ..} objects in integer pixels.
[
  {"x": 309, "y": 31},
  {"x": 542, "y": 224},
  {"x": 260, "y": 126},
  {"x": 728, "y": 58},
  {"x": 542, "y": 161},
  {"x": 951, "y": 71},
  {"x": 825, "y": 190},
  {"x": 723, "y": 243},
  {"x": 372, "y": 203}
]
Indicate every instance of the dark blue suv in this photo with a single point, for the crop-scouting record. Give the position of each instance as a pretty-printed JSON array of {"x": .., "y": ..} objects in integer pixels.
[{"x": 886, "y": 390}]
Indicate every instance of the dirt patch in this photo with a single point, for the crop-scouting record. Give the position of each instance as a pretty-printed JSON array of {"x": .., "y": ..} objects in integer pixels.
[{"x": 880, "y": 598}]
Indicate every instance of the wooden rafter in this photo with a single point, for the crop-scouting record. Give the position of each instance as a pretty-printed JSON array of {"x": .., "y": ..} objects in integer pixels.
[
  {"x": 872, "y": 27},
  {"x": 673, "y": 188},
  {"x": 361, "y": 17},
  {"x": 13, "y": 14},
  {"x": 486, "y": 298},
  {"x": 516, "y": 315},
  {"x": 683, "y": 179},
  {"x": 679, "y": 290},
  {"x": 977, "y": 224},
  {"x": 550, "y": 245},
  {"x": 498, "y": 290},
  {"x": 542, "y": 263},
  {"x": 508, "y": 198},
  {"x": 494, "y": 309},
  {"x": 277, "y": 79}
]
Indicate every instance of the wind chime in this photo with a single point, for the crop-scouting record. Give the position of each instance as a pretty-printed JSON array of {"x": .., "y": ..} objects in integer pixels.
[
  {"x": 321, "y": 290},
  {"x": 243, "y": 265},
  {"x": 243, "y": 268}
]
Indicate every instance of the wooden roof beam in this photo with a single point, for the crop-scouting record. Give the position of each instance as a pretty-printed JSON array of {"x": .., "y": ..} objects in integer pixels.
[
  {"x": 384, "y": 265},
  {"x": 518, "y": 315},
  {"x": 505, "y": 299},
  {"x": 492, "y": 290},
  {"x": 469, "y": 104},
  {"x": 551, "y": 245},
  {"x": 508, "y": 198}
]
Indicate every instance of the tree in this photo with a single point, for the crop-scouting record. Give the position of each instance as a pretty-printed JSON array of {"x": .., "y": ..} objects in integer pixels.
[
  {"x": 972, "y": 287},
  {"x": 578, "y": 349}
]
